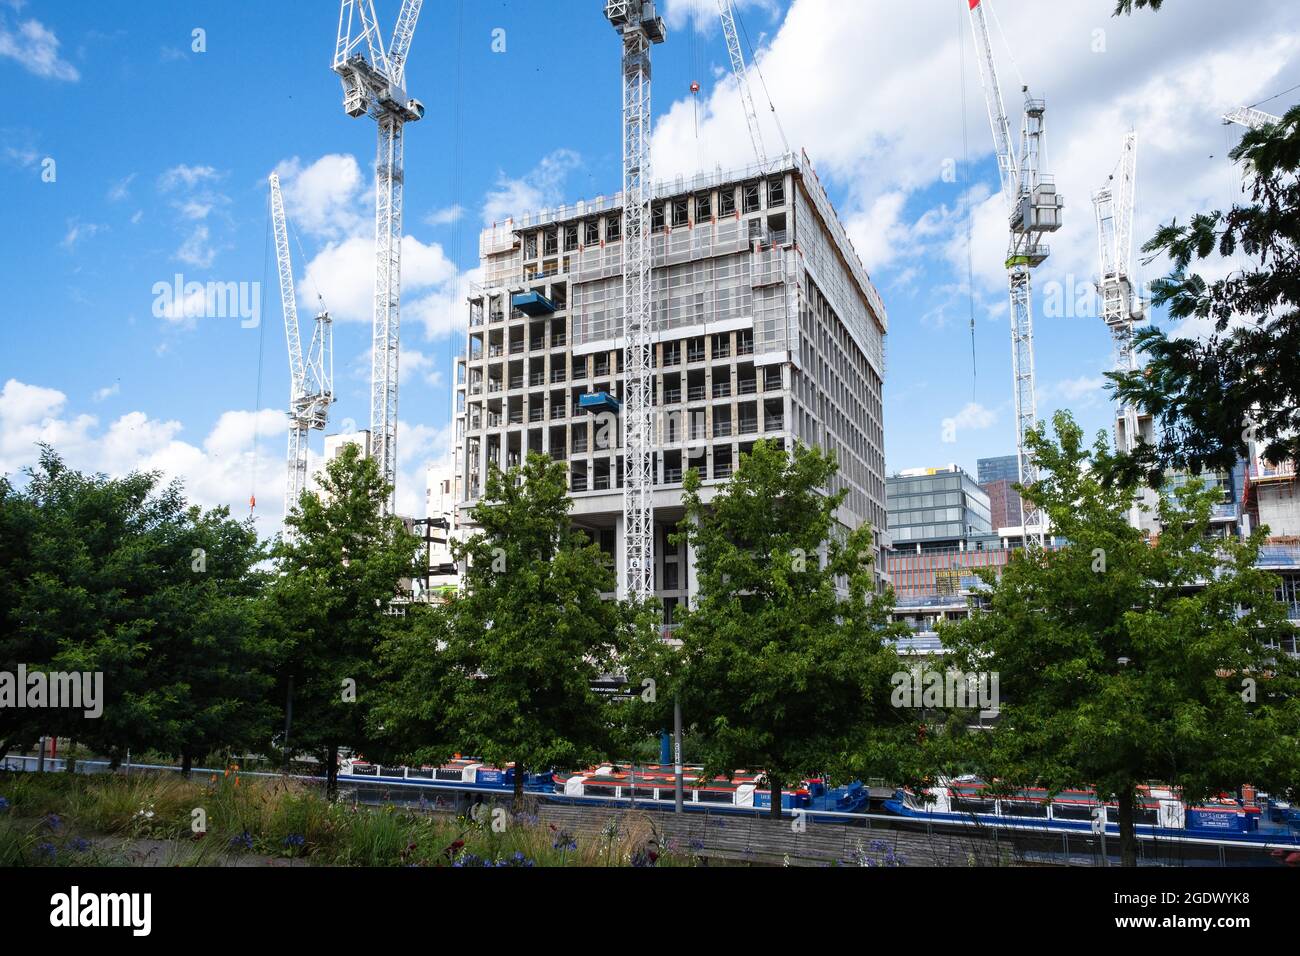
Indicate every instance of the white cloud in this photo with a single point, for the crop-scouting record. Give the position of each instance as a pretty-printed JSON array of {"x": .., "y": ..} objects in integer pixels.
[
  {"x": 419, "y": 448},
  {"x": 196, "y": 250},
  {"x": 540, "y": 188},
  {"x": 1082, "y": 387},
  {"x": 1170, "y": 75},
  {"x": 121, "y": 189},
  {"x": 108, "y": 391},
  {"x": 327, "y": 199},
  {"x": 78, "y": 231},
  {"x": 445, "y": 216},
  {"x": 244, "y": 450},
  {"x": 23, "y": 404},
  {"x": 413, "y": 365},
  {"x": 703, "y": 14},
  {"x": 975, "y": 416},
  {"x": 36, "y": 49},
  {"x": 187, "y": 176}
]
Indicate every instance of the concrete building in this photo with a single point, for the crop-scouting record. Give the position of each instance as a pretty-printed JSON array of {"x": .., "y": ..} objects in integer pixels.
[{"x": 766, "y": 326}]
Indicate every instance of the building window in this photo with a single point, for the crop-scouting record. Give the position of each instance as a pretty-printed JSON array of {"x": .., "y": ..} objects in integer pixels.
[
  {"x": 530, "y": 246},
  {"x": 657, "y": 218},
  {"x": 680, "y": 217},
  {"x": 550, "y": 244},
  {"x": 727, "y": 202},
  {"x": 590, "y": 232},
  {"x": 751, "y": 198},
  {"x": 570, "y": 237},
  {"x": 613, "y": 228},
  {"x": 703, "y": 208},
  {"x": 775, "y": 192}
]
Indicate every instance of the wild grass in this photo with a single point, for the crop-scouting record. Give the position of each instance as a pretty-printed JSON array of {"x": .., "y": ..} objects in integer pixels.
[{"x": 163, "y": 819}]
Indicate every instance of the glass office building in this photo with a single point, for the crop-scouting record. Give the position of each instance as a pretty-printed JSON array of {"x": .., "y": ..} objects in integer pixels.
[
  {"x": 935, "y": 507},
  {"x": 1002, "y": 468}
]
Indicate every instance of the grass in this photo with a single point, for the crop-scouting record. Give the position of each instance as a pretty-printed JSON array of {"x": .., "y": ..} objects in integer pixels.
[{"x": 60, "y": 819}]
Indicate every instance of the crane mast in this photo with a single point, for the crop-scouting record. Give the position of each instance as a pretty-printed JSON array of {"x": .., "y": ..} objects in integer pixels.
[
  {"x": 311, "y": 379},
  {"x": 728, "y": 15},
  {"x": 1121, "y": 308},
  {"x": 374, "y": 82},
  {"x": 640, "y": 28},
  {"x": 1033, "y": 208}
]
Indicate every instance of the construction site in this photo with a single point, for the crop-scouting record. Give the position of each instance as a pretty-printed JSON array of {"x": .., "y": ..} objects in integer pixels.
[
  {"x": 764, "y": 325},
  {"x": 670, "y": 324}
]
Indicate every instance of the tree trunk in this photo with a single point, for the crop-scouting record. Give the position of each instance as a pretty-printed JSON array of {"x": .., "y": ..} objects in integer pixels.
[
  {"x": 1127, "y": 832},
  {"x": 114, "y": 759},
  {"x": 774, "y": 787},
  {"x": 519, "y": 788},
  {"x": 331, "y": 771},
  {"x": 187, "y": 762}
]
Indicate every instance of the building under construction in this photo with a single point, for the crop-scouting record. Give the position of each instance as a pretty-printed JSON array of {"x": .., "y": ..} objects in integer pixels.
[{"x": 765, "y": 325}]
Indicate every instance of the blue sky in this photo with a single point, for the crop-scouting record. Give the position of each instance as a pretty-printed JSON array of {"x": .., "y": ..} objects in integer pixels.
[{"x": 160, "y": 155}]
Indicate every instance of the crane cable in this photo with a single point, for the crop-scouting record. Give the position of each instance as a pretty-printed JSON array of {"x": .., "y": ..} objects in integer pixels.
[
  {"x": 753, "y": 58},
  {"x": 970, "y": 207}
]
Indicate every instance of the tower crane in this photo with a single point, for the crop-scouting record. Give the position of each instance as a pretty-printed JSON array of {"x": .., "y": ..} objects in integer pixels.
[
  {"x": 1251, "y": 118},
  {"x": 1034, "y": 208},
  {"x": 728, "y": 15},
  {"x": 374, "y": 82},
  {"x": 640, "y": 28},
  {"x": 311, "y": 389},
  {"x": 1121, "y": 308}
]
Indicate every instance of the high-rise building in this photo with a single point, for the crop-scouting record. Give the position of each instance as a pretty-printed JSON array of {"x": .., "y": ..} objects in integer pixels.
[
  {"x": 996, "y": 477},
  {"x": 1001, "y": 468},
  {"x": 766, "y": 326}
]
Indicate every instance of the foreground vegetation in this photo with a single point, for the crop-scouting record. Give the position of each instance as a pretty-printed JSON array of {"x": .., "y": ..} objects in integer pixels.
[{"x": 57, "y": 819}]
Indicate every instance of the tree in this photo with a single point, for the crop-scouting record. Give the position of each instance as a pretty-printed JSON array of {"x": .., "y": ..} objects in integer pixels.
[
  {"x": 784, "y": 661},
  {"x": 1123, "y": 662},
  {"x": 1126, "y": 6},
  {"x": 338, "y": 570},
  {"x": 209, "y": 656},
  {"x": 1211, "y": 398},
  {"x": 531, "y": 632},
  {"x": 100, "y": 576}
]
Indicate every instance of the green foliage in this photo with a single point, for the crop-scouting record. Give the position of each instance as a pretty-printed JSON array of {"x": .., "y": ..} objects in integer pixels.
[
  {"x": 1127, "y": 6},
  {"x": 1212, "y": 397},
  {"x": 505, "y": 671},
  {"x": 784, "y": 663},
  {"x": 99, "y": 575},
  {"x": 329, "y": 606},
  {"x": 1122, "y": 661}
]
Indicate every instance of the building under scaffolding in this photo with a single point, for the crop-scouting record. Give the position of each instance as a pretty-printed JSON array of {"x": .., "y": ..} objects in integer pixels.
[{"x": 766, "y": 325}]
